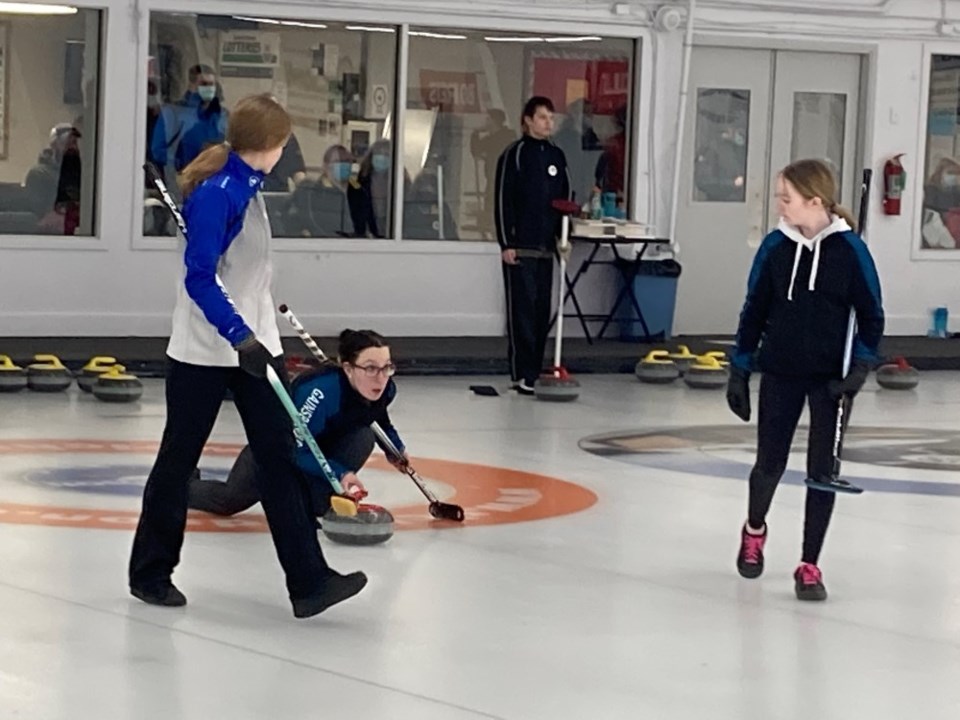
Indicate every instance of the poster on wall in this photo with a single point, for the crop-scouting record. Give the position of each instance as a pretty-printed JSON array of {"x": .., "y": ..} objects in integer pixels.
[
  {"x": 4, "y": 45},
  {"x": 582, "y": 83},
  {"x": 249, "y": 54}
]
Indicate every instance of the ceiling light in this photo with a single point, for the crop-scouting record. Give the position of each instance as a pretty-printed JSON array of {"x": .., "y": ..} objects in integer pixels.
[
  {"x": 36, "y": 9},
  {"x": 583, "y": 38},
  {"x": 506, "y": 39},
  {"x": 436, "y": 35},
  {"x": 370, "y": 28}
]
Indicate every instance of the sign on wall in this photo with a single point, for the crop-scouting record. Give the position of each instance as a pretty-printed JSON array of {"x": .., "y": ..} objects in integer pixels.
[
  {"x": 249, "y": 54},
  {"x": 453, "y": 92}
]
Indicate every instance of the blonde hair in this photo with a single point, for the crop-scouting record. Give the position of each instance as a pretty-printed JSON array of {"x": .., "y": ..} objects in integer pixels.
[
  {"x": 257, "y": 123},
  {"x": 814, "y": 179}
]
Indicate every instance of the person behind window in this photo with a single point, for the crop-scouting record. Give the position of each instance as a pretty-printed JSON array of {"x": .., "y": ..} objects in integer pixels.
[
  {"x": 185, "y": 128},
  {"x": 290, "y": 171},
  {"x": 486, "y": 144},
  {"x": 531, "y": 174},
  {"x": 421, "y": 212},
  {"x": 341, "y": 401},
  {"x": 321, "y": 207},
  {"x": 611, "y": 165},
  {"x": 370, "y": 195},
  {"x": 224, "y": 337},
  {"x": 53, "y": 184},
  {"x": 720, "y": 165}
]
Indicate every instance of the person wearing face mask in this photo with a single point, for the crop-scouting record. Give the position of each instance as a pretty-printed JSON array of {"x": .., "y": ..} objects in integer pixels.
[
  {"x": 224, "y": 337},
  {"x": 320, "y": 208},
  {"x": 370, "y": 196},
  {"x": 339, "y": 404},
  {"x": 806, "y": 277},
  {"x": 185, "y": 128}
]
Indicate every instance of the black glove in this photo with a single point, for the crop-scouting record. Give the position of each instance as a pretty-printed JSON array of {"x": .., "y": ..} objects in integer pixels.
[
  {"x": 852, "y": 383},
  {"x": 254, "y": 357},
  {"x": 738, "y": 393}
]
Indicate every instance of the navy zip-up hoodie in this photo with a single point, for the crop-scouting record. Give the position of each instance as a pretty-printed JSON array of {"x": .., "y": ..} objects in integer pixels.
[
  {"x": 799, "y": 295},
  {"x": 531, "y": 174},
  {"x": 330, "y": 407}
]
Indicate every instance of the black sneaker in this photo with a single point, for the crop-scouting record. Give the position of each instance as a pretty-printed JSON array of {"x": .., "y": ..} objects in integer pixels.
[
  {"x": 750, "y": 557},
  {"x": 337, "y": 588},
  {"x": 523, "y": 388},
  {"x": 809, "y": 583},
  {"x": 168, "y": 597}
]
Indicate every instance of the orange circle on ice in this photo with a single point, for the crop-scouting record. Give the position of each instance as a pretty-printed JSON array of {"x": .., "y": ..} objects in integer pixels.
[{"x": 489, "y": 495}]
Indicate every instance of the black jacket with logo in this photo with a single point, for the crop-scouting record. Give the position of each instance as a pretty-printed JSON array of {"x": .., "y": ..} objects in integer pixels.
[{"x": 531, "y": 174}]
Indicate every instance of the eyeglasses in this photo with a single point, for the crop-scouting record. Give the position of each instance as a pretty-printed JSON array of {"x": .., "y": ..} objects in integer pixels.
[{"x": 370, "y": 371}]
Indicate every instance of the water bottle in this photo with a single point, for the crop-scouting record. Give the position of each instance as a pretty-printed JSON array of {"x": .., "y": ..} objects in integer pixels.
[
  {"x": 939, "y": 329},
  {"x": 596, "y": 209}
]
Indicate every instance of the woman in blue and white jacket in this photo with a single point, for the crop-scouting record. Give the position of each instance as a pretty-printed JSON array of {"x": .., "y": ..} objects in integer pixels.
[
  {"x": 224, "y": 335},
  {"x": 338, "y": 404}
]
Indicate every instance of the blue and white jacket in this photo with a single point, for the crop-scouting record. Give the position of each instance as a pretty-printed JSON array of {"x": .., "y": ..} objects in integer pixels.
[
  {"x": 799, "y": 295},
  {"x": 225, "y": 294},
  {"x": 330, "y": 408}
]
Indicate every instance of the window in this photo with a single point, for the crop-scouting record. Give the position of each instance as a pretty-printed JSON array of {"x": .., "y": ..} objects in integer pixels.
[
  {"x": 336, "y": 80},
  {"x": 819, "y": 123},
  {"x": 940, "y": 224},
  {"x": 720, "y": 169},
  {"x": 49, "y": 84},
  {"x": 465, "y": 96}
]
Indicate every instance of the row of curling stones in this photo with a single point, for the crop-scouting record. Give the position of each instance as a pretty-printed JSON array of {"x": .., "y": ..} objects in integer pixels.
[
  {"x": 102, "y": 377},
  {"x": 703, "y": 372}
]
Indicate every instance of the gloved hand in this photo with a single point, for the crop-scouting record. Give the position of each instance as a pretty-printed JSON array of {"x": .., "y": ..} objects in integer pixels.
[
  {"x": 254, "y": 357},
  {"x": 852, "y": 383},
  {"x": 738, "y": 393}
]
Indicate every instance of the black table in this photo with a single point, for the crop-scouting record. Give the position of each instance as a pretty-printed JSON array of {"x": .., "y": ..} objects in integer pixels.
[{"x": 628, "y": 269}]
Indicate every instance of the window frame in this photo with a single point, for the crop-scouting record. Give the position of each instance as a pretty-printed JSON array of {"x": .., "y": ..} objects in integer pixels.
[
  {"x": 918, "y": 169},
  {"x": 641, "y": 194},
  {"x": 96, "y": 241}
]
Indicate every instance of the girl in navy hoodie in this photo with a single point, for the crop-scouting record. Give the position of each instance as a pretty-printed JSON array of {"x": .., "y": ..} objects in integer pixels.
[
  {"x": 224, "y": 335},
  {"x": 806, "y": 276}
]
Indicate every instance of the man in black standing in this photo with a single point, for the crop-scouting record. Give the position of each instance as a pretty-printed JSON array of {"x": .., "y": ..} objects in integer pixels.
[{"x": 531, "y": 174}]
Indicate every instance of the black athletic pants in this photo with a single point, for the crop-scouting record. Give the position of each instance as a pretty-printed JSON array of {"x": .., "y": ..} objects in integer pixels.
[
  {"x": 781, "y": 404},
  {"x": 194, "y": 396},
  {"x": 529, "y": 288},
  {"x": 240, "y": 491}
]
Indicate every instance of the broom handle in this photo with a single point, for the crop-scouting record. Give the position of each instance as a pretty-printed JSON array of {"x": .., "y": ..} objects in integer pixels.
[{"x": 564, "y": 243}]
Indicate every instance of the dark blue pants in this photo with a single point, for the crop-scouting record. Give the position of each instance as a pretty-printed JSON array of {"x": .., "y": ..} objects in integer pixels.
[
  {"x": 239, "y": 492},
  {"x": 194, "y": 397}
]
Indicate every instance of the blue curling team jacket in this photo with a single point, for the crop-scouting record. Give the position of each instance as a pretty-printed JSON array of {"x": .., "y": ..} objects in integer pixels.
[
  {"x": 214, "y": 213},
  {"x": 330, "y": 408},
  {"x": 799, "y": 295}
]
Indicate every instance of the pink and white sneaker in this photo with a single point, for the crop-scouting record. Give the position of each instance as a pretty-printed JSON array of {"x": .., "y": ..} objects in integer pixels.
[{"x": 809, "y": 583}]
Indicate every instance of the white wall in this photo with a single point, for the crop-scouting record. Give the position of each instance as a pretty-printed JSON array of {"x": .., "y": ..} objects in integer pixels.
[{"x": 121, "y": 284}]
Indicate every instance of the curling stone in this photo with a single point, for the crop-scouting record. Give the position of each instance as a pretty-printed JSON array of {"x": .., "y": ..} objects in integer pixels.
[
  {"x": 707, "y": 373},
  {"x": 371, "y": 525},
  {"x": 13, "y": 378},
  {"x": 48, "y": 374},
  {"x": 556, "y": 386},
  {"x": 898, "y": 375},
  {"x": 683, "y": 358},
  {"x": 115, "y": 386},
  {"x": 89, "y": 373},
  {"x": 657, "y": 368},
  {"x": 720, "y": 355}
]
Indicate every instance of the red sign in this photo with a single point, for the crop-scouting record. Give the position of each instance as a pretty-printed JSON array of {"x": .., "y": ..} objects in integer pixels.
[
  {"x": 454, "y": 92},
  {"x": 606, "y": 82}
]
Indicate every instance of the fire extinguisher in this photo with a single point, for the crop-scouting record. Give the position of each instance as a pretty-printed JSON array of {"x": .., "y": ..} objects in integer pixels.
[{"x": 894, "y": 180}]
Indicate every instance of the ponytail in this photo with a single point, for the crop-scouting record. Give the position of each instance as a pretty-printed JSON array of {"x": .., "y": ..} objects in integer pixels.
[
  {"x": 845, "y": 215},
  {"x": 206, "y": 164}
]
